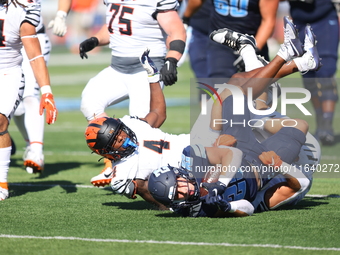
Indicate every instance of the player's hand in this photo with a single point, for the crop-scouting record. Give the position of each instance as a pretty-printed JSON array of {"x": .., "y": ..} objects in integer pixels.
[
  {"x": 59, "y": 24},
  {"x": 169, "y": 71},
  {"x": 270, "y": 158},
  {"x": 87, "y": 45},
  {"x": 227, "y": 140},
  {"x": 47, "y": 103},
  {"x": 214, "y": 188},
  {"x": 149, "y": 66},
  {"x": 218, "y": 201}
]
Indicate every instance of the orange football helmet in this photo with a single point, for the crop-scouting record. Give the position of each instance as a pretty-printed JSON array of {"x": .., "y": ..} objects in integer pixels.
[{"x": 101, "y": 135}]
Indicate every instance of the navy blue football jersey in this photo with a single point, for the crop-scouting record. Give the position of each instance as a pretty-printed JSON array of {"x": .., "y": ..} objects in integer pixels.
[{"x": 239, "y": 15}]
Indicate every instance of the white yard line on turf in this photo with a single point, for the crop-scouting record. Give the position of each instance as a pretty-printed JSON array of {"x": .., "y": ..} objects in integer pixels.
[{"x": 170, "y": 242}]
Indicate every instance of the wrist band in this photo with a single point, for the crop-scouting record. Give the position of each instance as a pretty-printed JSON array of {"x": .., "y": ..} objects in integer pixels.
[
  {"x": 177, "y": 45},
  {"x": 45, "y": 89},
  {"x": 62, "y": 14}
]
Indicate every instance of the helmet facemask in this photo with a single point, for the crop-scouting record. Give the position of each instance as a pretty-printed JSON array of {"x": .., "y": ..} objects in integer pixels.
[{"x": 188, "y": 200}]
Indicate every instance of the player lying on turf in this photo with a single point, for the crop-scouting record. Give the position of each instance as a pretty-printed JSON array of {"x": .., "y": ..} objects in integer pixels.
[
  {"x": 130, "y": 170},
  {"x": 286, "y": 189}
]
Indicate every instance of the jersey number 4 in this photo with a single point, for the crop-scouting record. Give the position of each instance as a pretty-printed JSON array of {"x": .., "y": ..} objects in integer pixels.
[
  {"x": 157, "y": 146},
  {"x": 126, "y": 23}
]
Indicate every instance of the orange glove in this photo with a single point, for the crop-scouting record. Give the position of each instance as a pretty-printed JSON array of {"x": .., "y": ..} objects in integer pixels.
[
  {"x": 227, "y": 140},
  {"x": 270, "y": 158},
  {"x": 47, "y": 103}
]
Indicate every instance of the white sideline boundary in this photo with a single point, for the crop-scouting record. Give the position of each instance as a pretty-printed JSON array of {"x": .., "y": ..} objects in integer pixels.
[{"x": 275, "y": 246}]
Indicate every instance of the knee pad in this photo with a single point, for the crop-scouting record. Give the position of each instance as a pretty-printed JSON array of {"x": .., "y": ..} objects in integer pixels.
[{"x": 323, "y": 88}]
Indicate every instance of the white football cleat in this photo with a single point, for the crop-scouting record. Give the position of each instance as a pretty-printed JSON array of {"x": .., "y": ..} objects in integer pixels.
[
  {"x": 105, "y": 176},
  {"x": 3, "y": 194},
  {"x": 312, "y": 55},
  {"x": 232, "y": 39},
  {"x": 34, "y": 162},
  {"x": 292, "y": 46}
]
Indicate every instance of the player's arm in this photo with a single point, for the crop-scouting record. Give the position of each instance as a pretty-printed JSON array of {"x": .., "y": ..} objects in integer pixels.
[
  {"x": 239, "y": 208},
  {"x": 101, "y": 38},
  {"x": 37, "y": 61},
  {"x": 268, "y": 9},
  {"x": 192, "y": 7},
  {"x": 296, "y": 181},
  {"x": 173, "y": 26},
  {"x": 157, "y": 114},
  {"x": 58, "y": 24},
  {"x": 142, "y": 190}
]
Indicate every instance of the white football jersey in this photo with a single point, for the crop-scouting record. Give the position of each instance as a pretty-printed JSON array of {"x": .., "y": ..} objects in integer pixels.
[
  {"x": 10, "y": 22},
  {"x": 133, "y": 26},
  {"x": 155, "y": 149}
]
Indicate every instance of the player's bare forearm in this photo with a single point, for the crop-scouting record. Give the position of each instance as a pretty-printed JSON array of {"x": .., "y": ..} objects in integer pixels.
[
  {"x": 64, "y": 5},
  {"x": 157, "y": 114},
  {"x": 103, "y": 36}
]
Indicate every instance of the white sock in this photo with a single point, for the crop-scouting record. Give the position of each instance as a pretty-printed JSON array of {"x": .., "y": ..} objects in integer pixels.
[
  {"x": 5, "y": 159},
  {"x": 250, "y": 59},
  {"x": 20, "y": 122},
  {"x": 34, "y": 123}
]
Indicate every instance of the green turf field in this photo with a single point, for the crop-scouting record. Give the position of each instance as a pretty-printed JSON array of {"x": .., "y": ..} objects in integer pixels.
[{"x": 60, "y": 212}]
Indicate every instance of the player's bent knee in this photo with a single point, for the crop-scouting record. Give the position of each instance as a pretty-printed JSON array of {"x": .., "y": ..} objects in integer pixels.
[
  {"x": 302, "y": 125},
  {"x": 3, "y": 124}
]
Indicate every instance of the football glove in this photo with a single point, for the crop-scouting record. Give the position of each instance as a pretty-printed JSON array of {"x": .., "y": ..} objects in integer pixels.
[
  {"x": 270, "y": 158},
  {"x": 87, "y": 45},
  {"x": 227, "y": 140},
  {"x": 218, "y": 201},
  {"x": 169, "y": 71},
  {"x": 47, "y": 103},
  {"x": 149, "y": 66},
  {"x": 214, "y": 188},
  {"x": 59, "y": 24}
]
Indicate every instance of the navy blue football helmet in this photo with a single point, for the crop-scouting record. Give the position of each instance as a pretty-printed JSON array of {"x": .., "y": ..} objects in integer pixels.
[{"x": 163, "y": 187}]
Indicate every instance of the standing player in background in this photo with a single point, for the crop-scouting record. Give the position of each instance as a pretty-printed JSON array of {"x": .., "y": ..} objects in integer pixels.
[
  {"x": 82, "y": 20},
  {"x": 322, "y": 16},
  {"x": 58, "y": 25},
  {"x": 27, "y": 118},
  {"x": 255, "y": 17},
  {"x": 130, "y": 27},
  {"x": 18, "y": 28}
]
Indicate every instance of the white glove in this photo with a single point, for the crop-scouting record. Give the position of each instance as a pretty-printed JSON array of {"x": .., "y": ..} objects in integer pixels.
[
  {"x": 59, "y": 24},
  {"x": 149, "y": 66}
]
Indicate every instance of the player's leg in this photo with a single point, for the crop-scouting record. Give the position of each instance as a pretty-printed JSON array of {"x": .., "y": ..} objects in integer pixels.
[
  {"x": 322, "y": 83},
  {"x": 139, "y": 93},
  {"x": 10, "y": 83},
  {"x": 101, "y": 91},
  {"x": 33, "y": 128}
]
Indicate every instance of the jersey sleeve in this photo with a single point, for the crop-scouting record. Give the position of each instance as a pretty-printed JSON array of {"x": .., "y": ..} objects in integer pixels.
[
  {"x": 167, "y": 5},
  {"x": 33, "y": 12}
]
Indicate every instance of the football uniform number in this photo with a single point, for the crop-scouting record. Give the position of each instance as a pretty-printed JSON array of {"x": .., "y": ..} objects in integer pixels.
[
  {"x": 115, "y": 9},
  {"x": 157, "y": 146},
  {"x": 2, "y": 37},
  {"x": 161, "y": 170},
  {"x": 236, "y": 190},
  {"x": 234, "y": 8}
]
